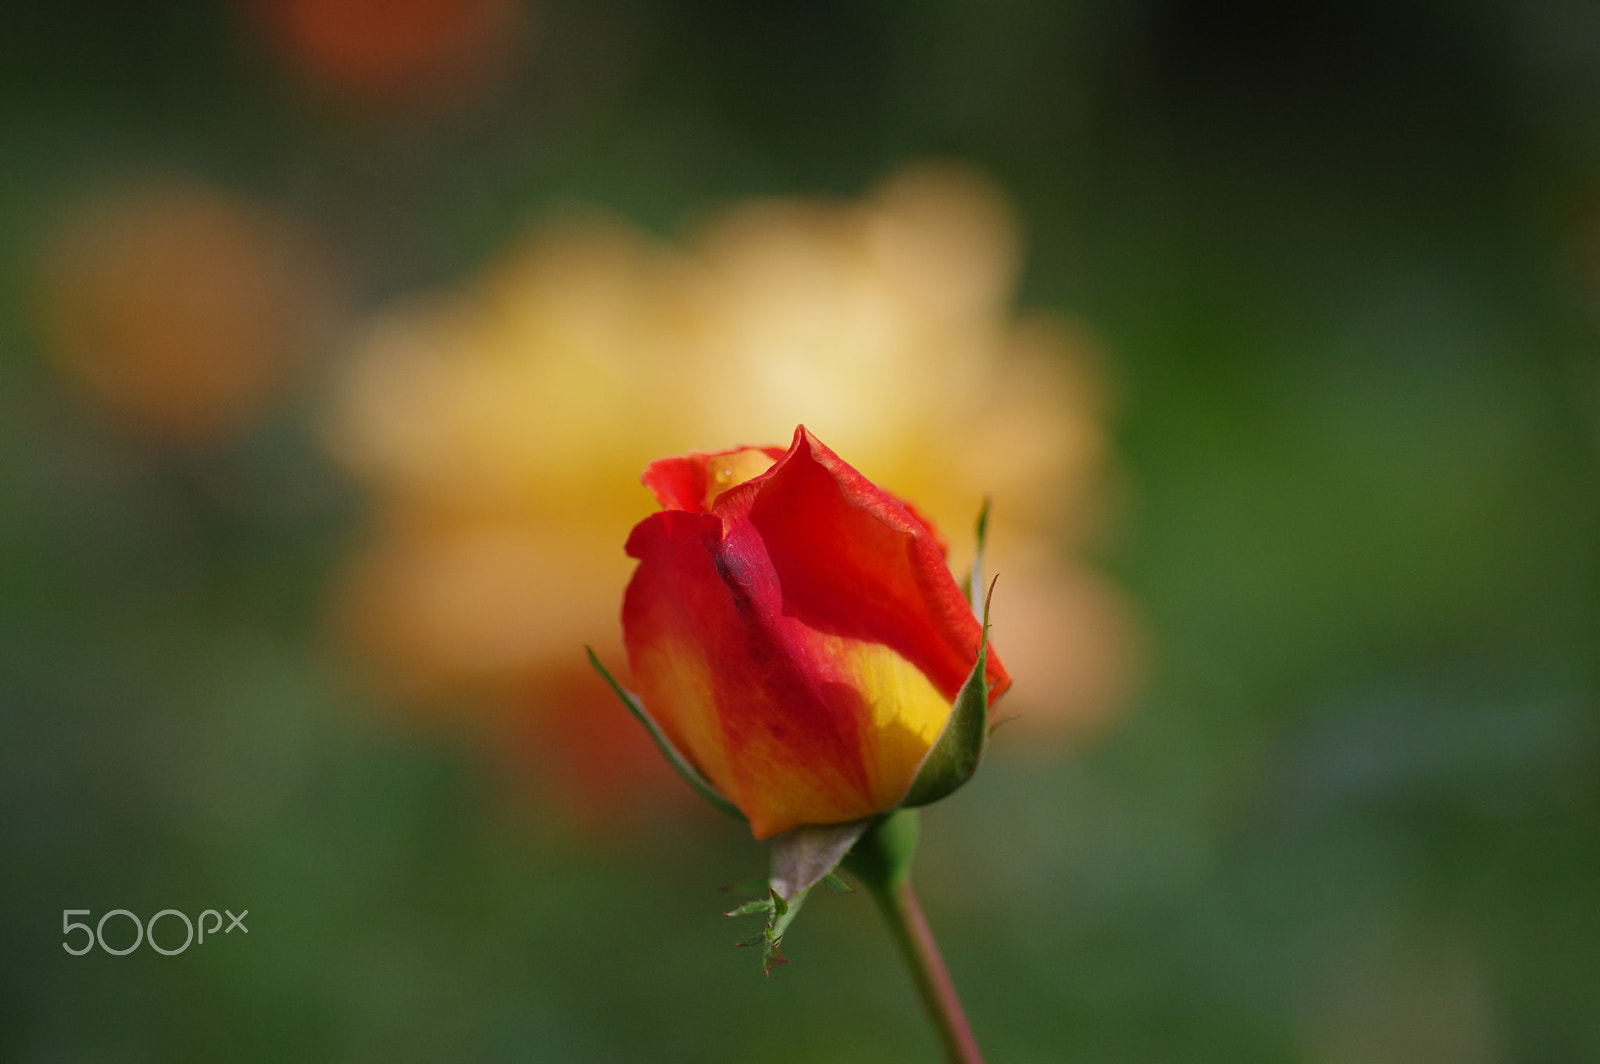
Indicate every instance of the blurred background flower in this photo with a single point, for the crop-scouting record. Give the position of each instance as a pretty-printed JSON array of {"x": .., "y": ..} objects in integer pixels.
[
  {"x": 177, "y": 309},
  {"x": 395, "y": 51},
  {"x": 503, "y": 430}
]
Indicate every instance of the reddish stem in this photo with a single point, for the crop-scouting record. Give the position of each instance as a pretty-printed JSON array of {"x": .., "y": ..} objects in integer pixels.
[{"x": 928, "y": 972}]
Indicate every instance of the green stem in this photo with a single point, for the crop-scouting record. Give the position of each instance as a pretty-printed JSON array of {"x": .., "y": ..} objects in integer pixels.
[
  {"x": 882, "y": 861},
  {"x": 928, "y": 972}
]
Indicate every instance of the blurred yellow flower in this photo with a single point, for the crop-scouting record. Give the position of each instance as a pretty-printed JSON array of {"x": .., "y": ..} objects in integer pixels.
[
  {"x": 502, "y": 429},
  {"x": 177, "y": 308}
]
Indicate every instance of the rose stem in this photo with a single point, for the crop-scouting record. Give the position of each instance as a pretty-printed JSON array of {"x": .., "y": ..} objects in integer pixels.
[{"x": 898, "y": 903}]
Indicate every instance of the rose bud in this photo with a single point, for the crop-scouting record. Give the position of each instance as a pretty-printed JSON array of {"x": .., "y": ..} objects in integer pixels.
[{"x": 795, "y": 635}]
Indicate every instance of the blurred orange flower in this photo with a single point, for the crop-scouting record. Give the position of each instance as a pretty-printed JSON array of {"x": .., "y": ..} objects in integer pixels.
[
  {"x": 501, "y": 429},
  {"x": 178, "y": 308},
  {"x": 394, "y": 49}
]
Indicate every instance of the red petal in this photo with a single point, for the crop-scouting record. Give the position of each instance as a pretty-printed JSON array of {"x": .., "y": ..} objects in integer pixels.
[
  {"x": 726, "y": 681},
  {"x": 679, "y": 482},
  {"x": 853, "y": 561}
]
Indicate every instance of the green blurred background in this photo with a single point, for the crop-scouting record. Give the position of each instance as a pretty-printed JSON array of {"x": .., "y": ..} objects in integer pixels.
[{"x": 1344, "y": 261}]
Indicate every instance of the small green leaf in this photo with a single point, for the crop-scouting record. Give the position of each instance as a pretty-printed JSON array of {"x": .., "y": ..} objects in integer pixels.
[
  {"x": 702, "y": 786},
  {"x": 954, "y": 756},
  {"x": 758, "y": 905},
  {"x": 837, "y": 885}
]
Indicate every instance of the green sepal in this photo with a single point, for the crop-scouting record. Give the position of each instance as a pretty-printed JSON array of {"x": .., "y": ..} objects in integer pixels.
[
  {"x": 779, "y": 913},
  {"x": 770, "y": 937},
  {"x": 834, "y": 883},
  {"x": 954, "y": 756},
  {"x": 702, "y": 786},
  {"x": 802, "y": 857}
]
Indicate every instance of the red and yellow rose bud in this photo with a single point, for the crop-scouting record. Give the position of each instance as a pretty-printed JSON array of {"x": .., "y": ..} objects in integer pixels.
[{"x": 794, "y": 632}]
